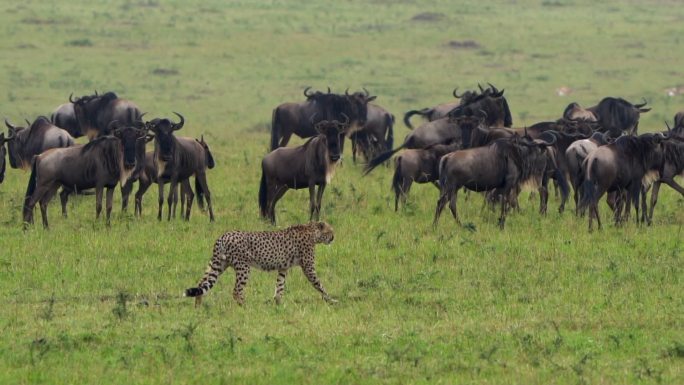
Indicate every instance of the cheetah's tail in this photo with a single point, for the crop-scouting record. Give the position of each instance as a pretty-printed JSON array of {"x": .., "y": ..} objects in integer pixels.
[{"x": 207, "y": 282}]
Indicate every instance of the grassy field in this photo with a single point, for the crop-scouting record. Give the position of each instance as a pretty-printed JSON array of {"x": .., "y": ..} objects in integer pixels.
[{"x": 542, "y": 302}]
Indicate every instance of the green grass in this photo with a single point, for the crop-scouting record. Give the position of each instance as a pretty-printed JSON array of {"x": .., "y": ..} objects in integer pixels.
[{"x": 543, "y": 301}]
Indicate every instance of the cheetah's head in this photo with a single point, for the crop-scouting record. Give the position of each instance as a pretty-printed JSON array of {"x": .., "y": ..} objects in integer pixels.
[{"x": 323, "y": 233}]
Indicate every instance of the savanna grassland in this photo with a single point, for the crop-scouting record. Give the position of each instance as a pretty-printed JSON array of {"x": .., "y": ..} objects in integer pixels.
[{"x": 543, "y": 301}]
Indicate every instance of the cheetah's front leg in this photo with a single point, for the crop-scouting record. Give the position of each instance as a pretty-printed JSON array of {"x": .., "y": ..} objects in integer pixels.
[
  {"x": 310, "y": 273},
  {"x": 280, "y": 285},
  {"x": 241, "y": 278}
]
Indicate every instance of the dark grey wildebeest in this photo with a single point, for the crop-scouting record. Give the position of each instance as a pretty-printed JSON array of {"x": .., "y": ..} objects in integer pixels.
[
  {"x": 100, "y": 164},
  {"x": 3, "y": 152},
  {"x": 376, "y": 136},
  {"x": 296, "y": 118},
  {"x": 503, "y": 165},
  {"x": 307, "y": 166},
  {"x": 64, "y": 117},
  {"x": 176, "y": 159},
  {"x": 94, "y": 113},
  {"x": 620, "y": 167},
  {"x": 672, "y": 166},
  {"x": 442, "y": 110},
  {"x": 27, "y": 142},
  {"x": 417, "y": 166},
  {"x": 614, "y": 115}
]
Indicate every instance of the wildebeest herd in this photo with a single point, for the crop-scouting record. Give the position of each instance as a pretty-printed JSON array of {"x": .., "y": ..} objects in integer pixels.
[{"x": 468, "y": 143}]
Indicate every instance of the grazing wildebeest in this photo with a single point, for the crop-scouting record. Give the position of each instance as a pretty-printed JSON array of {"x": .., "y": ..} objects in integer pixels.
[
  {"x": 307, "y": 166},
  {"x": 376, "y": 135},
  {"x": 94, "y": 113},
  {"x": 177, "y": 159},
  {"x": 3, "y": 152},
  {"x": 672, "y": 166},
  {"x": 100, "y": 164},
  {"x": 575, "y": 155},
  {"x": 441, "y": 110},
  {"x": 621, "y": 167},
  {"x": 295, "y": 118},
  {"x": 419, "y": 166},
  {"x": 64, "y": 117},
  {"x": 503, "y": 165},
  {"x": 26, "y": 142},
  {"x": 614, "y": 115}
]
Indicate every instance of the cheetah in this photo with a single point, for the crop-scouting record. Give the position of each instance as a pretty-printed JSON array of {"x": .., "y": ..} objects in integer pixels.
[{"x": 268, "y": 250}]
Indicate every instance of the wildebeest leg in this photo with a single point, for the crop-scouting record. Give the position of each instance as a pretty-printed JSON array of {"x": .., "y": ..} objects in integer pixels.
[
  {"x": 64, "y": 199},
  {"x": 143, "y": 185},
  {"x": 544, "y": 194},
  {"x": 502, "y": 218},
  {"x": 173, "y": 198},
  {"x": 441, "y": 202},
  {"x": 125, "y": 193},
  {"x": 617, "y": 207},
  {"x": 189, "y": 195},
  {"x": 44, "y": 200},
  {"x": 452, "y": 206},
  {"x": 109, "y": 202},
  {"x": 274, "y": 195},
  {"x": 98, "y": 201},
  {"x": 319, "y": 200},
  {"x": 161, "y": 200},
  {"x": 285, "y": 139},
  {"x": 202, "y": 178},
  {"x": 654, "y": 200},
  {"x": 671, "y": 182}
]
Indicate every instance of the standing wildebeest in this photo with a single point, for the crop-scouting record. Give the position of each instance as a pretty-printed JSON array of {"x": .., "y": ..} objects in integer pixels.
[
  {"x": 26, "y": 142},
  {"x": 419, "y": 166},
  {"x": 621, "y": 167},
  {"x": 614, "y": 115},
  {"x": 295, "y": 118},
  {"x": 64, "y": 117},
  {"x": 441, "y": 110},
  {"x": 491, "y": 106},
  {"x": 94, "y": 113},
  {"x": 673, "y": 165},
  {"x": 503, "y": 165},
  {"x": 575, "y": 155},
  {"x": 103, "y": 162},
  {"x": 176, "y": 159},
  {"x": 376, "y": 135},
  {"x": 309, "y": 165}
]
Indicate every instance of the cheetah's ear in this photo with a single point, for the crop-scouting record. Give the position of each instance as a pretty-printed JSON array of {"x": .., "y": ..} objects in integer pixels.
[{"x": 320, "y": 225}]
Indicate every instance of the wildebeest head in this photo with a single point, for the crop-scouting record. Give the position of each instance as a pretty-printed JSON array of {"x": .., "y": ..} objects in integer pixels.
[
  {"x": 575, "y": 112},
  {"x": 86, "y": 109},
  {"x": 129, "y": 137},
  {"x": 492, "y": 102},
  {"x": 3, "y": 152},
  {"x": 207, "y": 153},
  {"x": 15, "y": 141},
  {"x": 331, "y": 131},
  {"x": 165, "y": 144},
  {"x": 468, "y": 123},
  {"x": 359, "y": 105}
]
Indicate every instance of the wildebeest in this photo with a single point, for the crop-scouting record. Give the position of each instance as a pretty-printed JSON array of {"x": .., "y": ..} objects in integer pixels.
[
  {"x": 307, "y": 166},
  {"x": 503, "y": 165},
  {"x": 295, "y": 118},
  {"x": 490, "y": 104},
  {"x": 100, "y": 164},
  {"x": 26, "y": 142},
  {"x": 678, "y": 129},
  {"x": 64, "y": 117},
  {"x": 614, "y": 115},
  {"x": 3, "y": 152},
  {"x": 575, "y": 155},
  {"x": 377, "y": 135},
  {"x": 439, "y": 111},
  {"x": 177, "y": 159},
  {"x": 419, "y": 166},
  {"x": 621, "y": 167},
  {"x": 672, "y": 166},
  {"x": 94, "y": 113}
]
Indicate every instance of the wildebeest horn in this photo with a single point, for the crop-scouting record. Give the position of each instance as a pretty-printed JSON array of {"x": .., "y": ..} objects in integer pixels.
[
  {"x": 346, "y": 92},
  {"x": 552, "y": 142},
  {"x": 96, "y": 93},
  {"x": 9, "y": 125},
  {"x": 328, "y": 89},
  {"x": 668, "y": 126},
  {"x": 494, "y": 90},
  {"x": 366, "y": 91},
  {"x": 178, "y": 126},
  {"x": 346, "y": 119},
  {"x": 526, "y": 132},
  {"x": 455, "y": 94},
  {"x": 642, "y": 104},
  {"x": 71, "y": 98},
  {"x": 112, "y": 125},
  {"x": 484, "y": 113},
  {"x": 312, "y": 118},
  {"x": 305, "y": 92},
  {"x": 27, "y": 122}
]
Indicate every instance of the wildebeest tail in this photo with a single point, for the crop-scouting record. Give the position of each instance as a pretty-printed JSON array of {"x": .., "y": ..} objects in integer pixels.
[
  {"x": 588, "y": 187},
  {"x": 390, "y": 132},
  {"x": 263, "y": 195},
  {"x": 275, "y": 130},
  {"x": 200, "y": 194},
  {"x": 214, "y": 269},
  {"x": 442, "y": 174},
  {"x": 409, "y": 114},
  {"x": 378, "y": 160},
  {"x": 397, "y": 178},
  {"x": 31, "y": 185}
]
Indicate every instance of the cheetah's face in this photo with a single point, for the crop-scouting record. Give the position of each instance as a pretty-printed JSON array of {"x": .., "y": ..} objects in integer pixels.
[{"x": 323, "y": 233}]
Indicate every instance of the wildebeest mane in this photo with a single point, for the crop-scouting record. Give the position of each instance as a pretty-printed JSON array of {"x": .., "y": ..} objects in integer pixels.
[
  {"x": 105, "y": 150},
  {"x": 674, "y": 153}
]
